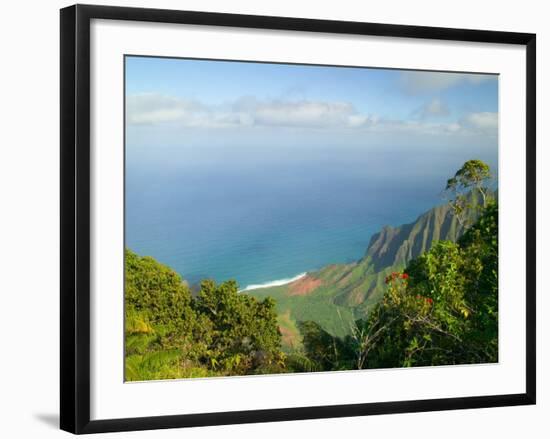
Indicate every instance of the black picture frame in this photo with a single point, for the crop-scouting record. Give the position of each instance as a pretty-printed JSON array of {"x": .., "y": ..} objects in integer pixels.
[{"x": 75, "y": 217}]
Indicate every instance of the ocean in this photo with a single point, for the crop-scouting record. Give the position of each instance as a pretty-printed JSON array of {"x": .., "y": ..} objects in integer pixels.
[{"x": 265, "y": 215}]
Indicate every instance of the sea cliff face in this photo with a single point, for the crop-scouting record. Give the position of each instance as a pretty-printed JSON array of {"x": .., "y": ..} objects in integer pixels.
[
  {"x": 339, "y": 293},
  {"x": 398, "y": 245}
]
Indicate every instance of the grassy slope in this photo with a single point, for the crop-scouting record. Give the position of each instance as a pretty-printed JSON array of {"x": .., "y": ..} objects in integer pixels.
[{"x": 349, "y": 291}]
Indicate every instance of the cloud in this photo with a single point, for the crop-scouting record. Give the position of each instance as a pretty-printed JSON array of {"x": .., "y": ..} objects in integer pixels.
[
  {"x": 417, "y": 127},
  {"x": 151, "y": 108},
  {"x": 473, "y": 124},
  {"x": 434, "y": 108},
  {"x": 249, "y": 112},
  {"x": 484, "y": 122},
  {"x": 302, "y": 113},
  {"x": 417, "y": 82}
]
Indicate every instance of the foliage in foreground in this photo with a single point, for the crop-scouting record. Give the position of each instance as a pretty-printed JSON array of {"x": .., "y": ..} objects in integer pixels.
[
  {"x": 443, "y": 309},
  {"x": 170, "y": 334}
]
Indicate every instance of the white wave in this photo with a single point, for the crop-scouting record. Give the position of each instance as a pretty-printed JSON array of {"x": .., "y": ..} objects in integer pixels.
[{"x": 274, "y": 283}]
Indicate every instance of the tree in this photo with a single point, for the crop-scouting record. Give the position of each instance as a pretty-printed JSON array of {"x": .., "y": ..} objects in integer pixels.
[
  {"x": 324, "y": 350},
  {"x": 245, "y": 334},
  {"x": 471, "y": 177},
  {"x": 365, "y": 335},
  {"x": 328, "y": 352},
  {"x": 444, "y": 308},
  {"x": 163, "y": 333},
  {"x": 157, "y": 296},
  {"x": 168, "y": 334}
]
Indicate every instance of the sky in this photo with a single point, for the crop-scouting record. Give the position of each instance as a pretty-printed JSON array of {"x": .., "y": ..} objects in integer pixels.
[
  {"x": 261, "y": 171},
  {"x": 180, "y": 103}
]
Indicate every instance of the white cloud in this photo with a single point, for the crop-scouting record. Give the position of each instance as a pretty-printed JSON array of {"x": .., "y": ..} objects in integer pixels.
[
  {"x": 358, "y": 120},
  {"x": 473, "y": 124},
  {"x": 416, "y": 82},
  {"x": 151, "y": 108},
  {"x": 418, "y": 127},
  {"x": 453, "y": 127},
  {"x": 482, "y": 121},
  {"x": 434, "y": 108},
  {"x": 301, "y": 113},
  {"x": 155, "y": 109},
  {"x": 248, "y": 111}
]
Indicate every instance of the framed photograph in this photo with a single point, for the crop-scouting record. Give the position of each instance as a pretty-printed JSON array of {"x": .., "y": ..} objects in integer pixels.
[{"x": 274, "y": 218}]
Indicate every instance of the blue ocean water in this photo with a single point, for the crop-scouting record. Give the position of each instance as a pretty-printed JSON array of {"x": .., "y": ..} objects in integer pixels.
[{"x": 262, "y": 215}]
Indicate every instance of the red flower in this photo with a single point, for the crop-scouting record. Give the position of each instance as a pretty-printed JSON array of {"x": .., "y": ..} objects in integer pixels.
[
  {"x": 404, "y": 276},
  {"x": 430, "y": 300}
]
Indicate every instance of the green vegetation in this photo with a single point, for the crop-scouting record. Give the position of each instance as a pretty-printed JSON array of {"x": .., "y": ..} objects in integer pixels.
[
  {"x": 442, "y": 309},
  {"x": 469, "y": 179},
  {"x": 170, "y": 334},
  {"x": 425, "y": 293}
]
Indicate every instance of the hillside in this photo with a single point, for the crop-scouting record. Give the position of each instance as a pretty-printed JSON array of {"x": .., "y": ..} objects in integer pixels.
[{"x": 337, "y": 294}]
